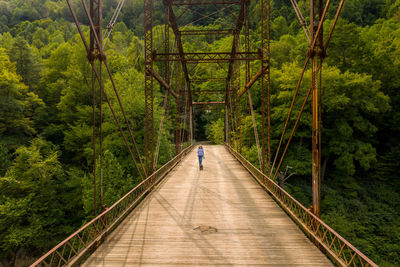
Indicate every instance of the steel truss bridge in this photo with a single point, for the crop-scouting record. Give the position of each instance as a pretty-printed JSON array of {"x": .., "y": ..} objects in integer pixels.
[{"x": 232, "y": 213}]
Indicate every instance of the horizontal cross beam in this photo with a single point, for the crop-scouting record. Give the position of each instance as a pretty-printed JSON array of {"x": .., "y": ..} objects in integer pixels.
[
  {"x": 210, "y": 57},
  {"x": 206, "y": 32},
  {"x": 208, "y": 79},
  {"x": 211, "y": 92},
  {"x": 209, "y": 103},
  {"x": 200, "y": 2}
]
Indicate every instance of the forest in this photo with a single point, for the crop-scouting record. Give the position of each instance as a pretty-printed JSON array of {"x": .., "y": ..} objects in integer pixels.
[{"x": 46, "y": 164}]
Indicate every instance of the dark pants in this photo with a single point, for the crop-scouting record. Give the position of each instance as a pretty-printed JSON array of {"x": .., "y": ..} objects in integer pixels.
[{"x": 200, "y": 159}]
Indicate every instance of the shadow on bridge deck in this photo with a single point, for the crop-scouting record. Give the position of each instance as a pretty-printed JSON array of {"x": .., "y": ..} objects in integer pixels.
[{"x": 218, "y": 216}]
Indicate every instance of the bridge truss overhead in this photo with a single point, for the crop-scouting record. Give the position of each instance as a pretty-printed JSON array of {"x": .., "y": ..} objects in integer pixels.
[{"x": 231, "y": 61}]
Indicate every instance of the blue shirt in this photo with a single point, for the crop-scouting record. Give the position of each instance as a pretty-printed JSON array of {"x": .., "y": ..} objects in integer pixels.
[{"x": 200, "y": 152}]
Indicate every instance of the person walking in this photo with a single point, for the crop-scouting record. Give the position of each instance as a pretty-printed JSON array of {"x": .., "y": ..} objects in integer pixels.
[{"x": 200, "y": 154}]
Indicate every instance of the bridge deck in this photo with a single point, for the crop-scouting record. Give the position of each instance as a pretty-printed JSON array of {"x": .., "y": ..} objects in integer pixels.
[{"x": 218, "y": 216}]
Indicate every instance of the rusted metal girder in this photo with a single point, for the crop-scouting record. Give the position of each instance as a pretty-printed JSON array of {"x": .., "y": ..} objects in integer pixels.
[
  {"x": 207, "y": 108},
  {"x": 94, "y": 56},
  {"x": 209, "y": 103},
  {"x": 250, "y": 83},
  {"x": 201, "y": 2},
  {"x": 265, "y": 85},
  {"x": 234, "y": 52},
  {"x": 206, "y": 32},
  {"x": 301, "y": 19},
  {"x": 220, "y": 91},
  {"x": 181, "y": 54},
  {"x": 253, "y": 119},
  {"x": 207, "y": 57},
  {"x": 163, "y": 83},
  {"x": 208, "y": 79},
  {"x": 247, "y": 71},
  {"x": 174, "y": 26},
  {"x": 148, "y": 84},
  {"x": 316, "y": 103},
  {"x": 167, "y": 87}
]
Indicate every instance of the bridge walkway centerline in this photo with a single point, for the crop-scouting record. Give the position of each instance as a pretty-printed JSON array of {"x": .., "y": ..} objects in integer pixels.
[{"x": 216, "y": 217}]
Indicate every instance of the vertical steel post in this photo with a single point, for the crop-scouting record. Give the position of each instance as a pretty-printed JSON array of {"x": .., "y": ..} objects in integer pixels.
[
  {"x": 166, "y": 78},
  {"x": 178, "y": 102},
  {"x": 227, "y": 113},
  {"x": 235, "y": 99},
  {"x": 265, "y": 85},
  {"x": 148, "y": 84},
  {"x": 191, "y": 123},
  {"x": 247, "y": 69},
  {"x": 321, "y": 54},
  {"x": 96, "y": 15},
  {"x": 178, "y": 125},
  {"x": 316, "y": 147}
]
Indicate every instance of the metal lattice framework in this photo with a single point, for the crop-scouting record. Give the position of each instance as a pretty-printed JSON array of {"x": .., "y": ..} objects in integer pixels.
[
  {"x": 176, "y": 80},
  {"x": 210, "y": 57}
]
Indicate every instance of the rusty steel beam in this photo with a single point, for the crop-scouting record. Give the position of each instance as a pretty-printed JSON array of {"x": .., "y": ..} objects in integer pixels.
[
  {"x": 209, "y": 103},
  {"x": 250, "y": 83},
  {"x": 247, "y": 71},
  {"x": 148, "y": 84},
  {"x": 220, "y": 91},
  {"x": 167, "y": 92},
  {"x": 316, "y": 104},
  {"x": 200, "y": 2},
  {"x": 265, "y": 85},
  {"x": 301, "y": 19},
  {"x": 206, "y": 32},
  {"x": 208, "y": 108},
  {"x": 163, "y": 83},
  {"x": 208, "y": 80},
  {"x": 174, "y": 25},
  {"x": 234, "y": 53},
  {"x": 94, "y": 56},
  {"x": 207, "y": 57}
]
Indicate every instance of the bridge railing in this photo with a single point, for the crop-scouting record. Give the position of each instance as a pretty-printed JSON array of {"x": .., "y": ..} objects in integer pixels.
[
  {"x": 324, "y": 237},
  {"x": 73, "y": 250}
]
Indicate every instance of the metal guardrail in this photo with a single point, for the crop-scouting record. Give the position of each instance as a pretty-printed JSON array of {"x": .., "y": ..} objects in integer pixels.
[
  {"x": 324, "y": 237},
  {"x": 72, "y": 250}
]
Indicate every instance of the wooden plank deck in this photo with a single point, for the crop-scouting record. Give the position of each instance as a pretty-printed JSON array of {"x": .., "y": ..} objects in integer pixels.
[{"x": 216, "y": 217}]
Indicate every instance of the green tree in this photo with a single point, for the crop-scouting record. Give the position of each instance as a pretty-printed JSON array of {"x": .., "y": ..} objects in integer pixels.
[
  {"x": 18, "y": 105},
  {"x": 27, "y": 60},
  {"x": 37, "y": 200}
]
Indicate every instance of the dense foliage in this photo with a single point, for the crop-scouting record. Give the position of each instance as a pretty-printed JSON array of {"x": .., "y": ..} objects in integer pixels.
[{"x": 46, "y": 187}]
